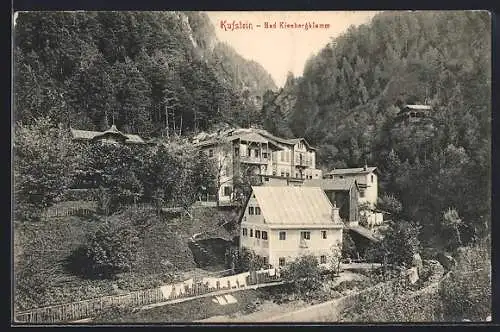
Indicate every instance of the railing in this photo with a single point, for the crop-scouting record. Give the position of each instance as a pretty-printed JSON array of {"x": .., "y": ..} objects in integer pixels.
[
  {"x": 254, "y": 160},
  {"x": 183, "y": 290}
]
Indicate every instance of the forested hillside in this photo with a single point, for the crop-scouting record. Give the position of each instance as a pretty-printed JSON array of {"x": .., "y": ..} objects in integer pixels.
[
  {"x": 347, "y": 98},
  {"x": 82, "y": 69}
]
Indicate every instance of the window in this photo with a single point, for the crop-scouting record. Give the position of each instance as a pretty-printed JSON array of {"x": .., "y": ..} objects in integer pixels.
[
  {"x": 250, "y": 210},
  {"x": 341, "y": 176},
  {"x": 257, "y": 234},
  {"x": 256, "y": 153},
  {"x": 282, "y": 261},
  {"x": 305, "y": 235},
  {"x": 274, "y": 173},
  {"x": 244, "y": 231},
  {"x": 282, "y": 155},
  {"x": 322, "y": 259},
  {"x": 287, "y": 174},
  {"x": 267, "y": 179},
  {"x": 362, "y": 194},
  {"x": 264, "y": 155},
  {"x": 249, "y": 152},
  {"x": 372, "y": 178},
  {"x": 323, "y": 234},
  {"x": 251, "y": 232},
  {"x": 282, "y": 235},
  {"x": 257, "y": 210},
  {"x": 264, "y": 235},
  {"x": 282, "y": 174},
  {"x": 210, "y": 153},
  {"x": 227, "y": 191},
  {"x": 288, "y": 156},
  {"x": 265, "y": 260},
  {"x": 297, "y": 175}
]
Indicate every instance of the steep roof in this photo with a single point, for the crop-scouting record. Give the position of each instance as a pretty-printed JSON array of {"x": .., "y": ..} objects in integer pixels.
[
  {"x": 287, "y": 205},
  {"x": 331, "y": 184},
  {"x": 358, "y": 170}
]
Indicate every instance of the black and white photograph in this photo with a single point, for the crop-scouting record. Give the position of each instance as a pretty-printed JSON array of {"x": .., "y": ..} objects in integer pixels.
[{"x": 231, "y": 167}]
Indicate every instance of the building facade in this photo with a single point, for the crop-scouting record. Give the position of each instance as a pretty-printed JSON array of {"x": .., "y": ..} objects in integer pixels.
[
  {"x": 366, "y": 178},
  {"x": 367, "y": 181},
  {"x": 239, "y": 153},
  {"x": 281, "y": 223}
]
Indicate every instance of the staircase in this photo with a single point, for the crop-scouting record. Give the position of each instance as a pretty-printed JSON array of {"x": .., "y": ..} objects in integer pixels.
[{"x": 210, "y": 260}]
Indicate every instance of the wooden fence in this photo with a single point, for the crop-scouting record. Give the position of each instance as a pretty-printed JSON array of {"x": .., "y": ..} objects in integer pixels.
[
  {"x": 84, "y": 309},
  {"x": 80, "y": 208}
]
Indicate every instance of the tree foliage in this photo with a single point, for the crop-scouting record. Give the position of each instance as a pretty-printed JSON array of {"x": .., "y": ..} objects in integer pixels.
[
  {"x": 155, "y": 72},
  {"x": 43, "y": 160},
  {"x": 304, "y": 274}
]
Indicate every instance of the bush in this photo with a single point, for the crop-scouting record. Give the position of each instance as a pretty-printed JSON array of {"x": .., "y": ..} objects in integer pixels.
[
  {"x": 304, "y": 275},
  {"x": 247, "y": 260},
  {"x": 110, "y": 249},
  {"x": 467, "y": 292}
]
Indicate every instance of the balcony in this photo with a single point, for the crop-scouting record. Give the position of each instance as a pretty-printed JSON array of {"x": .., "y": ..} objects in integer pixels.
[
  {"x": 254, "y": 160},
  {"x": 303, "y": 163}
]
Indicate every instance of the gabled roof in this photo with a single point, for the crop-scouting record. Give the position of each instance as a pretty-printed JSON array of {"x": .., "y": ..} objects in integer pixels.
[
  {"x": 331, "y": 184},
  {"x": 89, "y": 135},
  {"x": 84, "y": 134},
  {"x": 287, "y": 141},
  {"x": 287, "y": 205},
  {"x": 358, "y": 170}
]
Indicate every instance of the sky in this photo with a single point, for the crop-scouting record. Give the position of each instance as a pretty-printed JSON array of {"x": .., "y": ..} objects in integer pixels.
[{"x": 281, "y": 49}]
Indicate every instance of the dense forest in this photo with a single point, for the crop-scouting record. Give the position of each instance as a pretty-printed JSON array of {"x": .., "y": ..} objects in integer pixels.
[
  {"x": 147, "y": 71},
  {"x": 350, "y": 92},
  {"x": 154, "y": 73}
]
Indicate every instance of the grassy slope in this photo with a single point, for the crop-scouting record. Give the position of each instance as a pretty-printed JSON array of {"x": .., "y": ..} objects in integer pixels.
[{"x": 51, "y": 242}]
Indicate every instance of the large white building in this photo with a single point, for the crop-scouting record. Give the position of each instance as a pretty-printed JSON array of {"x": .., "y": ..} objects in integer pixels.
[
  {"x": 280, "y": 223},
  {"x": 239, "y": 152}
]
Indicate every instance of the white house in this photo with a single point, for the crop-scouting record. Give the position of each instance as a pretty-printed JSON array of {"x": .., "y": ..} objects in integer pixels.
[{"x": 281, "y": 223}]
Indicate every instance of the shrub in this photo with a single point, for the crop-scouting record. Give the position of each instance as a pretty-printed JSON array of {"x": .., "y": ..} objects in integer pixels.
[
  {"x": 110, "y": 249},
  {"x": 247, "y": 260},
  {"x": 304, "y": 275}
]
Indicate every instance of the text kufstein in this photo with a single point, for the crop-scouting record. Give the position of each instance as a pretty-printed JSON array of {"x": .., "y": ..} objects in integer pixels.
[{"x": 235, "y": 25}]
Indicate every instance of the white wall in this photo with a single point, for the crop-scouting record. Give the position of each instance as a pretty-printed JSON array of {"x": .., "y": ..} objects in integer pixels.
[{"x": 290, "y": 248}]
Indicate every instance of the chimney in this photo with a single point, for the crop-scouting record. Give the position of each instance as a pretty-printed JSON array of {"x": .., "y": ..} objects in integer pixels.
[
  {"x": 365, "y": 167},
  {"x": 335, "y": 214}
]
